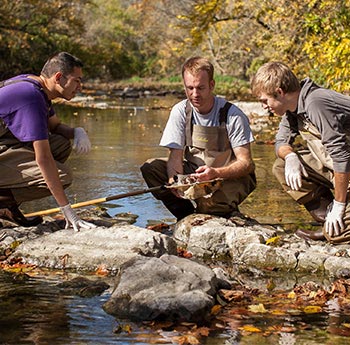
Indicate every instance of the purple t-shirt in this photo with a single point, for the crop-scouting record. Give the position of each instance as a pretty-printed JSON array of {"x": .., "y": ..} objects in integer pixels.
[{"x": 25, "y": 109}]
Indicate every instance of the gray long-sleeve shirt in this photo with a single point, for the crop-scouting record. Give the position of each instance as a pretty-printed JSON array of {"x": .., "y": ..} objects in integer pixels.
[{"x": 329, "y": 112}]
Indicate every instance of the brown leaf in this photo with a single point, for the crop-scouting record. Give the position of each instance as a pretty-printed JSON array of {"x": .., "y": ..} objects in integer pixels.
[
  {"x": 184, "y": 253},
  {"x": 231, "y": 295},
  {"x": 339, "y": 287},
  {"x": 102, "y": 271},
  {"x": 215, "y": 309},
  {"x": 158, "y": 227},
  {"x": 203, "y": 331},
  {"x": 186, "y": 340}
]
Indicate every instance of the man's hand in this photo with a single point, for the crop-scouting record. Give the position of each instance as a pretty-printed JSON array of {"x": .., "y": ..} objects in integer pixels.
[
  {"x": 334, "y": 224},
  {"x": 73, "y": 221},
  {"x": 294, "y": 171},
  {"x": 205, "y": 173},
  {"x": 81, "y": 141}
]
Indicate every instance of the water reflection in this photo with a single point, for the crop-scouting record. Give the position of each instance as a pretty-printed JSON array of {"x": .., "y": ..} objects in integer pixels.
[{"x": 124, "y": 137}]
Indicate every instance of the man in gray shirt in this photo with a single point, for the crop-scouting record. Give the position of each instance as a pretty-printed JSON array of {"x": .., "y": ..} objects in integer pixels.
[
  {"x": 208, "y": 138},
  {"x": 310, "y": 176}
]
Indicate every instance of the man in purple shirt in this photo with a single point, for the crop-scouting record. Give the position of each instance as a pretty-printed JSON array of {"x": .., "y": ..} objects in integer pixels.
[{"x": 34, "y": 144}]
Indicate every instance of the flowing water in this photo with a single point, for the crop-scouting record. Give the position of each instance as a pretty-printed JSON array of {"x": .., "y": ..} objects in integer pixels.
[
  {"x": 123, "y": 136},
  {"x": 127, "y": 135}
]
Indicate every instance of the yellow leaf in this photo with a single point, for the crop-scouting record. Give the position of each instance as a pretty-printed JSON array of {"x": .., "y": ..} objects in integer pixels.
[
  {"x": 15, "y": 244},
  {"x": 347, "y": 325},
  {"x": 291, "y": 295},
  {"x": 257, "y": 308},
  {"x": 250, "y": 328},
  {"x": 311, "y": 309},
  {"x": 273, "y": 240}
]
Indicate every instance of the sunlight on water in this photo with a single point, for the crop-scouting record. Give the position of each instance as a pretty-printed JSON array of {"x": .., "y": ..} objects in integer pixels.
[{"x": 122, "y": 139}]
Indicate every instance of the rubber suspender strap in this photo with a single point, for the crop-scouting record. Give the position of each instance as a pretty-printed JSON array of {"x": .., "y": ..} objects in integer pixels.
[
  {"x": 223, "y": 113},
  {"x": 189, "y": 124}
]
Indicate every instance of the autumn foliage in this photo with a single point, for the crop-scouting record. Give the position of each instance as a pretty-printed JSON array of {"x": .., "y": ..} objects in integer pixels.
[{"x": 147, "y": 38}]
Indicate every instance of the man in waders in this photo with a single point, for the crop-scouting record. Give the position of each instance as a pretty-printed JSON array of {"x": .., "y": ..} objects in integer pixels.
[
  {"x": 208, "y": 138},
  {"x": 310, "y": 176},
  {"x": 34, "y": 144}
]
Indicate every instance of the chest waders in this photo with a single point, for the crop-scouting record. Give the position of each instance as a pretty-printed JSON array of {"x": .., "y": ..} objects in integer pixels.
[
  {"x": 211, "y": 146},
  {"x": 313, "y": 139}
]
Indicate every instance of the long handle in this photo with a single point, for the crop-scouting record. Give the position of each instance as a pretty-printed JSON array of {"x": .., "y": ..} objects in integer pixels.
[{"x": 97, "y": 201}]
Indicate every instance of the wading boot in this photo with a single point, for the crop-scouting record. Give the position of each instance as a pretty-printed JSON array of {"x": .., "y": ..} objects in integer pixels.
[
  {"x": 9, "y": 211},
  {"x": 318, "y": 206},
  {"x": 315, "y": 235}
]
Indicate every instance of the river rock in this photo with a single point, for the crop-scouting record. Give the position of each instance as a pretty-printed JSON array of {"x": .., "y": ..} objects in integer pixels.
[
  {"x": 250, "y": 246},
  {"x": 165, "y": 288},
  {"x": 241, "y": 241},
  {"x": 215, "y": 237},
  {"x": 89, "y": 249}
]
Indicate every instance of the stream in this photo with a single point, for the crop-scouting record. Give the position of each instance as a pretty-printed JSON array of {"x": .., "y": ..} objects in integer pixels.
[{"x": 124, "y": 133}]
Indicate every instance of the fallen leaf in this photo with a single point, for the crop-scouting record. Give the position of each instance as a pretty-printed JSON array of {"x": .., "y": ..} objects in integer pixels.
[
  {"x": 102, "y": 270},
  {"x": 231, "y": 295},
  {"x": 273, "y": 240},
  {"x": 312, "y": 309},
  {"x": 215, "y": 309},
  {"x": 158, "y": 227},
  {"x": 257, "y": 308},
  {"x": 186, "y": 340},
  {"x": 291, "y": 295},
  {"x": 184, "y": 253},
  {"x": 250, "y": 328},
  {"x": 203, "y": 331}
]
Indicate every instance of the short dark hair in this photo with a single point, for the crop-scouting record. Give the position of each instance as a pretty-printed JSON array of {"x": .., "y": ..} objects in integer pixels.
[
  {"x": 60, "y": 62},
  {"x": 196, "y": 64}
]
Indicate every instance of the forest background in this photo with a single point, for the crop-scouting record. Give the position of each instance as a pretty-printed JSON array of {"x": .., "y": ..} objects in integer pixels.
[{"x": 146, "y": 41}]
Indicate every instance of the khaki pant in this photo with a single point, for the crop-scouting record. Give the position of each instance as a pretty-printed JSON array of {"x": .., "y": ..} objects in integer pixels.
[
  {"x": 222, "y": 203},
  {"x": 20, "y": 172},
  {"x": 319, "y": 178}
]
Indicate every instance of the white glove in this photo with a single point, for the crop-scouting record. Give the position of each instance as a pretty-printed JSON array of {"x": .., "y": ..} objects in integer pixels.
[
  {"x": 334, "y": 224},
  {"x": 72, "y": 220},
  {"x": 81, "y": 141},
  {"x": 293, "y": 171}
]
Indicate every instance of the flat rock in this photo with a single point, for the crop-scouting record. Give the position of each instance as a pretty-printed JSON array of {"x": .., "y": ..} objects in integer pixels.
[{"x": 90, "y": 249}]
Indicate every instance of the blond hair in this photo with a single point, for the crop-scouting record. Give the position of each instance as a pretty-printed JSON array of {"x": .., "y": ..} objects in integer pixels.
[
  {"x": 272, "y": 76},
  {"x": 196, "y": 64}
]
